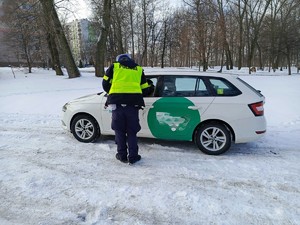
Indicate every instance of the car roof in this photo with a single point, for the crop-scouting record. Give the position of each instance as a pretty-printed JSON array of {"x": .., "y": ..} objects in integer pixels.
[{"x": 181, "y": 72}]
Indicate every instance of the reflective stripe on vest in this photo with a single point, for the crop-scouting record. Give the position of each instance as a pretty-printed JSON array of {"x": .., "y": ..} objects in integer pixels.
[{"x": 126, "y": 80}]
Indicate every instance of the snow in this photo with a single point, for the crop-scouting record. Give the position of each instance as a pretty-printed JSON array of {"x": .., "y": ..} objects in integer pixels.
[{"x": 47, "y": 177}]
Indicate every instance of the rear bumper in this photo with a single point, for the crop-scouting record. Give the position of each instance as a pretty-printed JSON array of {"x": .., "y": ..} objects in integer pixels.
[{"x": 249, "y": 129}]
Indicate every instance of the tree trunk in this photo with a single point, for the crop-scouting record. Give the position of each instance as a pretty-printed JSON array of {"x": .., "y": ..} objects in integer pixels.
[
  {"x": 241, "y": 16},
  {"x": 118, "y": 32},
  {"x": 101, "y": 43},
  {"x": 164, "y": 45},
  {"x": 222, "y": 22},
  {"x": 205, "y": 67},
  {"x": 131, "y": 28},
  {"x": 256, "y": 23},
  {"x": 54, "y": 54},
  {"x": 27, "y": 53},
  {"x": 227, "y": 58},
  {"x": 222, "y": 62},
  {"x": 145, "y": 50},
  {"x": 288, "y": 52},
  {"x": 260, "y": 56},
  {"x": 240, "y": 50},
  {"x": 49, "y": 10}
]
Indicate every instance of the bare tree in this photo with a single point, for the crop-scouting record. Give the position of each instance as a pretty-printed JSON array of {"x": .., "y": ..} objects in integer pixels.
[
  {"x": 162, "y": 34},
  {"x": 288, "y": 18},
  {"x": 131, "y": 16},
  {"x": 256, "y": 12},
  {"x": 101, "y": 43},
  {"x": 239, "y": 8},
  {"x": 200, "y": 24},
  {"x": 165, "y": 36},
  {"x": 145, "y": 4},
  {"x": 55, "y": 26},
  {"x": 117, "y": 22},
  {"x": 25, "y": 33},
  {"x": 199, "y": 34},
  {"x": 222, "y": 23}
]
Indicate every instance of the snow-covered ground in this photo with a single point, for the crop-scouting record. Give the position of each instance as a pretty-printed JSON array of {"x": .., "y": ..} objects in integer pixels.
[{"x": 47, "y": 177}]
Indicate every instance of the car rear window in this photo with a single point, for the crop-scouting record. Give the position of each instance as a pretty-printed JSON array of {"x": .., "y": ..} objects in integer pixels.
[
  {"x": 252, "y": 88},
  {"x": 223, "y": 87}
]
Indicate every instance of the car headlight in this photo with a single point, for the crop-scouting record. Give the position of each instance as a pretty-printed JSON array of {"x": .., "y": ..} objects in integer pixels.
[{"x": 65, "y": 107}]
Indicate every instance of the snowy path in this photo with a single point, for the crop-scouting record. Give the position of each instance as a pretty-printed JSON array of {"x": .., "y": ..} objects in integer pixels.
[{"x": 47, "y": 177}]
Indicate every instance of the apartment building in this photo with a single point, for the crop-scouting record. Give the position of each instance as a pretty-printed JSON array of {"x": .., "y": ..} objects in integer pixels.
[
  {"x": 7, "y": 56},
  {"x": 82, "y": 40},
  {"x": 80, "y": 35}
]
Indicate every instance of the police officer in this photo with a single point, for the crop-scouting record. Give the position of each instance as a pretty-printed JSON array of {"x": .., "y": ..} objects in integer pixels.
[{"x": 125, "y": 83}]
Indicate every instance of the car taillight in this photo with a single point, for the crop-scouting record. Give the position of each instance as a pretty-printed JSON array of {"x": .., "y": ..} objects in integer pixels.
[{"x": 257, "y": 108}]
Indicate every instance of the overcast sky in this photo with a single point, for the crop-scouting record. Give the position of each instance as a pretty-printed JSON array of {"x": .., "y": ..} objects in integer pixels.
[{"x": 84, "y": 12}]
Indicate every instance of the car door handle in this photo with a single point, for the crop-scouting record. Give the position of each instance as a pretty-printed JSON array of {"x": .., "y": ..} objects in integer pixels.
[{"x": 194, "y": 107}]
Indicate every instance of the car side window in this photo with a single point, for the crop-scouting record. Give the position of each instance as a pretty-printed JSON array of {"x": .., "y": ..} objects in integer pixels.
[
  {"x": 152, "y": 82},
  {"x": 201, "y": 89},
  {"x": 169, "y": 86},
  {"x": 223, "y": 87},
  {"x": 177, "y": 86}
]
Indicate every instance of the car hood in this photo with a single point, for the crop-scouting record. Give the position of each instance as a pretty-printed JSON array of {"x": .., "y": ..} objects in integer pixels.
[{"x": 92, "y": 98}]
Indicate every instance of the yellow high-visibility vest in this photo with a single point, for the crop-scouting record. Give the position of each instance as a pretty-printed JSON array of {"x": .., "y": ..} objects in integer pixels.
[{"x": 126, "y": 80}]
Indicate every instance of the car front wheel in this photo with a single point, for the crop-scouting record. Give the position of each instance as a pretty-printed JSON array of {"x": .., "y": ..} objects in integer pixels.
[
  {"x": 213, "y": 138},
  {"x": 85, "y": 128}
]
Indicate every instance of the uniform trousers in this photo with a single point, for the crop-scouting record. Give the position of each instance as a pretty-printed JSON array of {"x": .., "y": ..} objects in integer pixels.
[{"x": 125, "y": 123}]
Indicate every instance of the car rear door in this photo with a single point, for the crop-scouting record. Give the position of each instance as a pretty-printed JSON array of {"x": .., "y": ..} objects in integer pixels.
[{"x": 176, "y": 108}]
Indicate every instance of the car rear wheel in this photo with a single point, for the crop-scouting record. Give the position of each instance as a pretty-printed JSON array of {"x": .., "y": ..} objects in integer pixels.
[
  {"x": 213, "y": 138},
  {"x": 85, "y": 128}
]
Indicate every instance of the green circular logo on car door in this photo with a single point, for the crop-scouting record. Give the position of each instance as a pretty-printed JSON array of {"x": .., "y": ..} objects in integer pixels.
[{"x": 171, "y": 118}]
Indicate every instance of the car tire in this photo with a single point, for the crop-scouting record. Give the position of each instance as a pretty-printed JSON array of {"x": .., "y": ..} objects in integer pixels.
[
  {"x": 85, "y": 128},
  {"x": 213, "y": 138}
]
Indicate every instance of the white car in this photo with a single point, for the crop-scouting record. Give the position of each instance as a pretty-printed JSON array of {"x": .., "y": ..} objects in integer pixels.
[{"x": 213, "y": 110}]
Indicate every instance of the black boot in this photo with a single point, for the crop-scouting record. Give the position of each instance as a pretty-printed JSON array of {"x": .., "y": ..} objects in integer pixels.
[
  {"x": 134, "y": 160},
  {"x": 123, "y": 160}
]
